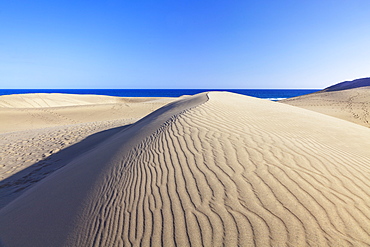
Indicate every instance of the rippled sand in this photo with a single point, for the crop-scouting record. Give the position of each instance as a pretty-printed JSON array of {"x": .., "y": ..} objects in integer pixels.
[{"x": 207, "y": 170}]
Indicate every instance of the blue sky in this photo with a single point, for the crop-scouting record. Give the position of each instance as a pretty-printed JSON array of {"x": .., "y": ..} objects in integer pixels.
[{"x": 183, "y": 44}]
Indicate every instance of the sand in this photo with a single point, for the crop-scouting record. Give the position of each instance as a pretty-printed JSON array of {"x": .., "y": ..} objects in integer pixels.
[
  {"x": 32, "y": 111},
  {"x": 208, "y": 170},
  {"x": 352, "y": 104},
  {"x": 40, "y": 133}
]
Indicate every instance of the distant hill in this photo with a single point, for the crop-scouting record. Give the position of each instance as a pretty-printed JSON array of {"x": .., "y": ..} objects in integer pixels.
[{"x": 363, "y": 82}]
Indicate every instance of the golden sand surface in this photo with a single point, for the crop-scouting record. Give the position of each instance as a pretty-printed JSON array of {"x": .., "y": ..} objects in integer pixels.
[{"x": 212, "y": 169}]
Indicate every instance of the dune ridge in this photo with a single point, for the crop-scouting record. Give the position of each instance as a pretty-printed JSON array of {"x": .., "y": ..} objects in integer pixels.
[{"x": 209, "y": 170}]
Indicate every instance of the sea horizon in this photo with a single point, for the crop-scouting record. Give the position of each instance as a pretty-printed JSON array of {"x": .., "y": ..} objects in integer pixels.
[{"x": 270, "y": 94}]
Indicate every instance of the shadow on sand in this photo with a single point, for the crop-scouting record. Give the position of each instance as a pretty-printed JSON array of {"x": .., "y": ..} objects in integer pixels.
[{"x": 13, "y": 186}]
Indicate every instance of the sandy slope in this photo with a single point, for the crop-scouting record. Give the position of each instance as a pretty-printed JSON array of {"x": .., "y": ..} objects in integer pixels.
[
  {"x": 42, "y": 100},
  {"x": 351, "y": 104},
  {"x": 231, "y": 170},
  {"x": 32, "y": 111},
  {"x": 39, "y": 133}
]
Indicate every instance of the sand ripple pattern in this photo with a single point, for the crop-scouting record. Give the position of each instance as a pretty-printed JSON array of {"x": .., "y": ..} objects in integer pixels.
[{"x": 236, "y": 171}]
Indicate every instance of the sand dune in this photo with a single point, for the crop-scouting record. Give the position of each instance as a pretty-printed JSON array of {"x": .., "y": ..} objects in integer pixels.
[
  {"x": 40, "y": 133},
  {"x": 33, "y": 111},
  {"x": 209, "y": 170},
  {"x": 351, "y": 104},
  {"x": 42, "y": 100}
]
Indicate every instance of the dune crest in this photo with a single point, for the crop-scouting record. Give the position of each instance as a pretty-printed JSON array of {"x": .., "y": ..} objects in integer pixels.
[{"x": 208, "y": 170}]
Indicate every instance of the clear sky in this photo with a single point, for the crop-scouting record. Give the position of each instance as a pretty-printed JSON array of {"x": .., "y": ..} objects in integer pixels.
[{"x": 183, "y": 43}]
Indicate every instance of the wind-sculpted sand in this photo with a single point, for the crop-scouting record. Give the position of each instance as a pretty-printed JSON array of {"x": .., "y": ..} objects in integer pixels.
[
  {"x": 351, "y": 104},
  {"x": 35, "y": 111},
  {"x": 40, "y": 133},
  {"x": 214, "y": 169}
]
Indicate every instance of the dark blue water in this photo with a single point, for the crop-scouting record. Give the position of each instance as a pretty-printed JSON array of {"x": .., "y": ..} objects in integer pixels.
[{"x": 272, "y": 94}]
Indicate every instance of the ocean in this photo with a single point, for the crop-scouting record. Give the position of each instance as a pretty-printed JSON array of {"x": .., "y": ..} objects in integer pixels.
[{"x": 270, "y": 94}]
